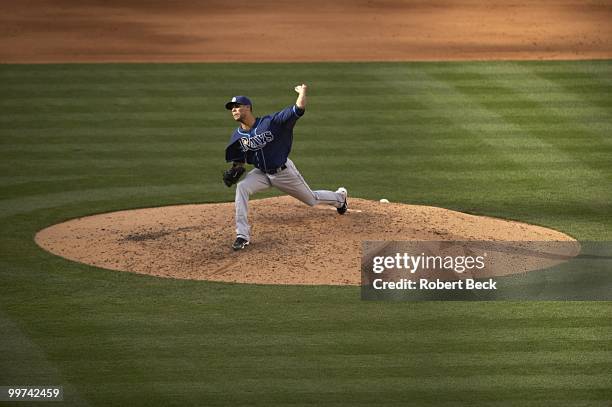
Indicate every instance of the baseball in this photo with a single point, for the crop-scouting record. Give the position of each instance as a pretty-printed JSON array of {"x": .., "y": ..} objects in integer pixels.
[{"x": 384, "y": 200}]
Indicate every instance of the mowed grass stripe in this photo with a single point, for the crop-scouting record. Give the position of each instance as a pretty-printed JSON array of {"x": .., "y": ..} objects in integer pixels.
[
  {"x": 216, "y": 139},
  {"x": 187, "y": 87},
  {"x": 109, "y": 122},
  {"x": 454, "y": 148},
  {"x": 269, "y": 72},
  {"x": 516, "y": 109},
  {"x": 196, "y": 392},
  {"x": 434, "y": 364},
  {"x": 592, "y": 334},
  {"x": 365, "y": 397},
  {"x": 340, "y": 365},
  {"x": 475, "y": 122},
  {"x": 192, "y": 147},
  {"x": 22, "y": 134},
  {"x": 482, "y": 388},
  {"x": 203, "y": 103},
  {"x": 109, "y": 164},
  {"x": 10, "y": 207},
  {"x": 16, "y": 180},
  {"x": 254, "y": 345},
  {"x": 317, "y": 129},
  {"x": 249, "y": 382}
]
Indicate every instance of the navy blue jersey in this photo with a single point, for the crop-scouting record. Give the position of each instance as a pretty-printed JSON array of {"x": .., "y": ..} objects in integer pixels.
[{"x": 268, "y": 144}]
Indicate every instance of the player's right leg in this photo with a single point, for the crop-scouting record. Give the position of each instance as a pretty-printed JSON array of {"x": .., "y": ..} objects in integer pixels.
[
  {"x": 253, "y": 182},
  {"x": 291, "y": 182}
]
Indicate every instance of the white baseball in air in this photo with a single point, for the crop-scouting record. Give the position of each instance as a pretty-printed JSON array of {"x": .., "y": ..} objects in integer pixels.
[{"x": 384, "y": 200}]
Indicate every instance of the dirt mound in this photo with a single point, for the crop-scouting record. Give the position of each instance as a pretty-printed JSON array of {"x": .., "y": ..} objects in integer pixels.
[{"x": 291, "y": 242}]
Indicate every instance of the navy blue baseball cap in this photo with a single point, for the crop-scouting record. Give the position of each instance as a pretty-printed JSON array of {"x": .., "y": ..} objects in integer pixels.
[{"x": 241, "y": 100}]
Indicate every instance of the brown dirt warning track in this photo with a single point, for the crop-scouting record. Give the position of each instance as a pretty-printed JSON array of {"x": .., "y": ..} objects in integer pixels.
[{"x": 293, "y": 31}]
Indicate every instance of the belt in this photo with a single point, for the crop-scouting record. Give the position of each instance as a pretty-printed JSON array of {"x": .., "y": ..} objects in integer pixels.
[{"x": 276, "y": 170}]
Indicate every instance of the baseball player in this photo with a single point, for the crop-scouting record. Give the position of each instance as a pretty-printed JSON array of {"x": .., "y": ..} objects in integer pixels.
[{"x": 265, "y": 142}]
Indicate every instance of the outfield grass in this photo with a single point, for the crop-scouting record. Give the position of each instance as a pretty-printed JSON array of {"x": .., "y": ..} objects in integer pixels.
[{"x": 529, "y": 141}]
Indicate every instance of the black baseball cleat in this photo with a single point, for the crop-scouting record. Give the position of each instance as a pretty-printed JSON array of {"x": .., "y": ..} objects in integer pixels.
[
  {"x": 240, "y": 243},
  {"x": 342, "y": 210}
]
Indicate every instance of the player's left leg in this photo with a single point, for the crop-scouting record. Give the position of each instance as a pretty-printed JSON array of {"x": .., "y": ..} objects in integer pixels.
[
  {"x": 252, "y": 183},
  {"x": 291, "y": 182}
]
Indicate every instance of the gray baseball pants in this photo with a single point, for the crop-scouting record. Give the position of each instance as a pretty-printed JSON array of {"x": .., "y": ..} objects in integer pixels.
[{"x": 289, "y": 181}]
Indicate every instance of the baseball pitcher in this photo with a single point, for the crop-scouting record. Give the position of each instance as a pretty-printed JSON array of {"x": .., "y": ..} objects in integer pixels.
[{"x": 265, "y": 142}]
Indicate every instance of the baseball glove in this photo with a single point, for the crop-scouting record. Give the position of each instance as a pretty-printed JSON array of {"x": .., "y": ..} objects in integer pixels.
[{"x": 232, "y": 175}]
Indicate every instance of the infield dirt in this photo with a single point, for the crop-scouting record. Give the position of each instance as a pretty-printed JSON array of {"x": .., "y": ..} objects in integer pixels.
[{"x": 363, "y": 30}]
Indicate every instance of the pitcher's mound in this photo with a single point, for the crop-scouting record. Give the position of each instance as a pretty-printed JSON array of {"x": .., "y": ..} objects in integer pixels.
[{"x": 291, "y": 242}]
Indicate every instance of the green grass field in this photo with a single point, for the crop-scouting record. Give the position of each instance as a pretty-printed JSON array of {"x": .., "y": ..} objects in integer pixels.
[{"x": 529, "y": 141}]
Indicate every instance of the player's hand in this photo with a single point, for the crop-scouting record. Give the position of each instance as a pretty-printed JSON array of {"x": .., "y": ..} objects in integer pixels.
[{"x": 301, "y": 88}]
